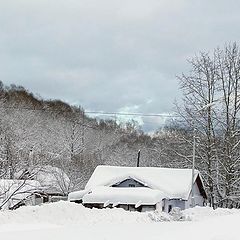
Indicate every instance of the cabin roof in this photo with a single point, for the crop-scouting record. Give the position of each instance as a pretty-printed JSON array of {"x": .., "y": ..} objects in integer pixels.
[
  {"x": 172, "y": 182},
  {"x": 52, "y": 179}
]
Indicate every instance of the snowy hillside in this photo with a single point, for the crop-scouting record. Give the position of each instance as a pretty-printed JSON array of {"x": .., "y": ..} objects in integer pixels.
[{"x": 64, "y": 220}]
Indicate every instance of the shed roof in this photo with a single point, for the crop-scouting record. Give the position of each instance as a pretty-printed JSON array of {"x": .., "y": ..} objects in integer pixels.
[
  {"x": 52, "y": 179},
  {"x": 173, "y": 182}
]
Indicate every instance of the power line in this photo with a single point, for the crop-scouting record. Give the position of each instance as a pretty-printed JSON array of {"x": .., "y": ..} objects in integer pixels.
[
  {"x": 133, "y": 114},
  {"x": 165, "y": 115}
]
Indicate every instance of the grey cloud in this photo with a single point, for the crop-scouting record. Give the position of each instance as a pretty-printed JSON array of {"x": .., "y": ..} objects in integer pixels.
[{"x": 109, "y": 55}]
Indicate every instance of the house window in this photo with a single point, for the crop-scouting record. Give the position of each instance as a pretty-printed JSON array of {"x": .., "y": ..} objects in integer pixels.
[
  {"x": 169, "y": 208},
  {"x": 131, "y": 185}
]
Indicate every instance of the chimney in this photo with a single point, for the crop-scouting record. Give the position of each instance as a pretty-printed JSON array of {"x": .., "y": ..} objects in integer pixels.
[{"x": 138, "y": 159}]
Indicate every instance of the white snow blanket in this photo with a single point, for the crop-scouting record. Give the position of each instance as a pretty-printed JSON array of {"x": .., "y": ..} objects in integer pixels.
[
  {"x": 174, "y": 183},
  {"x": 65, "y": 220},
  {"x": 111, "y": 195}
]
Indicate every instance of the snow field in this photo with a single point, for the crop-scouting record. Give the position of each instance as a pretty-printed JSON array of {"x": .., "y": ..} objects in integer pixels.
[
  {"x": 62, "y": 213},
  {"x": 70, "y": 221},
  {"x": 204, "y": 213}
]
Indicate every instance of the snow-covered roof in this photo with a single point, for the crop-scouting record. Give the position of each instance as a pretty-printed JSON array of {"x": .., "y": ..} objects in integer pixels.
[
  {"x": 173, "y": 182},
  {"x": 77, "y": 195},
  {"x": 136, "y": 196},
  {"x": 52, "y": 179},
  {"x": 14, "y": 191}
]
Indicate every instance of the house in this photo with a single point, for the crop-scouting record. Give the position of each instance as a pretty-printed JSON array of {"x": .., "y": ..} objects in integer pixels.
[
  {"x": 54, "y": 182},
  {"x": 16, "y": 193},
  {"x": 33, "y": 187},
  {"x": 142, "y": 188}
]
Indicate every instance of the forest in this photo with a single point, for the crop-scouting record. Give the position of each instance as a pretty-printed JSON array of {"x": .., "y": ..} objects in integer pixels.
[{"x": 35, "y": 132}]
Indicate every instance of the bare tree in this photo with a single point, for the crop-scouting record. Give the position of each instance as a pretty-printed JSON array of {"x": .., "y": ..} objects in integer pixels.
[
  {"x": 211, "y": 106},
  {"x": 228, "y": 61}
]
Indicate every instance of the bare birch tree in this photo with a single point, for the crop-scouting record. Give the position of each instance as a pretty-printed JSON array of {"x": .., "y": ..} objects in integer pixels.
[{"x": 211, "y": 106}]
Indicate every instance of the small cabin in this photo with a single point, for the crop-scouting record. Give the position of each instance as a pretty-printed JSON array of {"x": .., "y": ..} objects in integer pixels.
[
  {"x": 54, "y": 182},
  {"x": 15, "y": 193},
  {"x": 142, "y": 189}
]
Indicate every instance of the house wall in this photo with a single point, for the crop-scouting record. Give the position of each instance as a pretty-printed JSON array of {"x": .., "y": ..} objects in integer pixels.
[
  {"x": 148, "y": 208},
  {"x": 30, "y": 201},
  {"x": 38, "y": 200},
  {"x": 142, "y": 208},
  {"x": 184, "y": 204},
  {"x": 198, "y": 198},
  {"x": 168, "y": 204},
  {"x": 57, "y": 198},
  {"x": 127, "y": 207}
]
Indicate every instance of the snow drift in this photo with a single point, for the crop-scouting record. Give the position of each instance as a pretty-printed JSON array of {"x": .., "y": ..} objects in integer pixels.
[{"x": 65, "y": 220}]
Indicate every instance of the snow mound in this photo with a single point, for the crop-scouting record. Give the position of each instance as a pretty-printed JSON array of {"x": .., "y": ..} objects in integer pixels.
[
  {"x": 65, "y": 220},
  {"x": 175, "y": 215},
  {"x": 62, "y": 213},
  {"x": 202, "y": 213},
  {"x": 191, "y": 214},
  {"x": 159, "y": 216},
  {"x": 66, "y": 213}
]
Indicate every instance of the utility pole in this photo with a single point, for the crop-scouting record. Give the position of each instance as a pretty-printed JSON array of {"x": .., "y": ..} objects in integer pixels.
[
  {"x": 193, "y": 164},
  {"x": 207, "y": 106},
  {"x": 138, "y": 159}
]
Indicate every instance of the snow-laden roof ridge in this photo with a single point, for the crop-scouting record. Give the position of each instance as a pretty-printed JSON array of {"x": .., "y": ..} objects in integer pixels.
[{"x": 126, "y": 167}]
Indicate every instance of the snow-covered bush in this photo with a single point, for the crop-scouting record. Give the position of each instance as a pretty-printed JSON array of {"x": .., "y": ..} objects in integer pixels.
[
  {"x": 175, "y": 215},
  {"x": 159, "y": 216}
]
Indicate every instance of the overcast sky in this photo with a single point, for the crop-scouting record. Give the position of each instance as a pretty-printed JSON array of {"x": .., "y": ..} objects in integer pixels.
[{"x": 110, "y": 55}]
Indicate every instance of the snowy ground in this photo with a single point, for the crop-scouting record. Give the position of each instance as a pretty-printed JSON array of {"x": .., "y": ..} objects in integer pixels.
[{"x": 66, "y": 220}]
